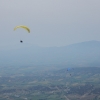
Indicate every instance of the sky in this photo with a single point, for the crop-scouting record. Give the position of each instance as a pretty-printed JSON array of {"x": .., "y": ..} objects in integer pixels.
[{"x": 52, "y": 22}]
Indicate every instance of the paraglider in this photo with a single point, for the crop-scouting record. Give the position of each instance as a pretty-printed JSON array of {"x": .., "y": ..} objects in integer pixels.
[
  {"x": 69, "y": 71},
  {"x": 24, "y": 27}
]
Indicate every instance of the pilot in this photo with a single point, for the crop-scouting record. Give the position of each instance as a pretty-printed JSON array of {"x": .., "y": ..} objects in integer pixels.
[{"x": 21, "y": 41}]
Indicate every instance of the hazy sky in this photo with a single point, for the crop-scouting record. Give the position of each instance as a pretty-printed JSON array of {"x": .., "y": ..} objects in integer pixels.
[{"x": 52, "y": 22}]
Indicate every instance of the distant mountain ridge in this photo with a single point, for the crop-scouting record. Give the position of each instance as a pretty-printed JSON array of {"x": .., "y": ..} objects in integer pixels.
[{"x": 79, "y": 54}]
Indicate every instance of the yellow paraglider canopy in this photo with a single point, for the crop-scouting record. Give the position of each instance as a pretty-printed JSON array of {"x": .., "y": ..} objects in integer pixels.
[{"x": 22, "y": 26}]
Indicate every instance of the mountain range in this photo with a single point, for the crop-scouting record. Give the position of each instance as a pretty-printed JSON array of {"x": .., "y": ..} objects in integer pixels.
[{"x": 78, "y": 55}]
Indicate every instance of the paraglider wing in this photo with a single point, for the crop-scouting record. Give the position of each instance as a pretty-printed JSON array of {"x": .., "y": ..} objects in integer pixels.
[
  {"x": 24, "y": 27},
  {"x": 68, "y": 69}
]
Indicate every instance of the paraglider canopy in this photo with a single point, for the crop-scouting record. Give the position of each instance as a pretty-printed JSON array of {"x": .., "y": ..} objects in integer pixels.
[
  {"x": 68, "y": 69},
  {"x": 22, "y": 26}
]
